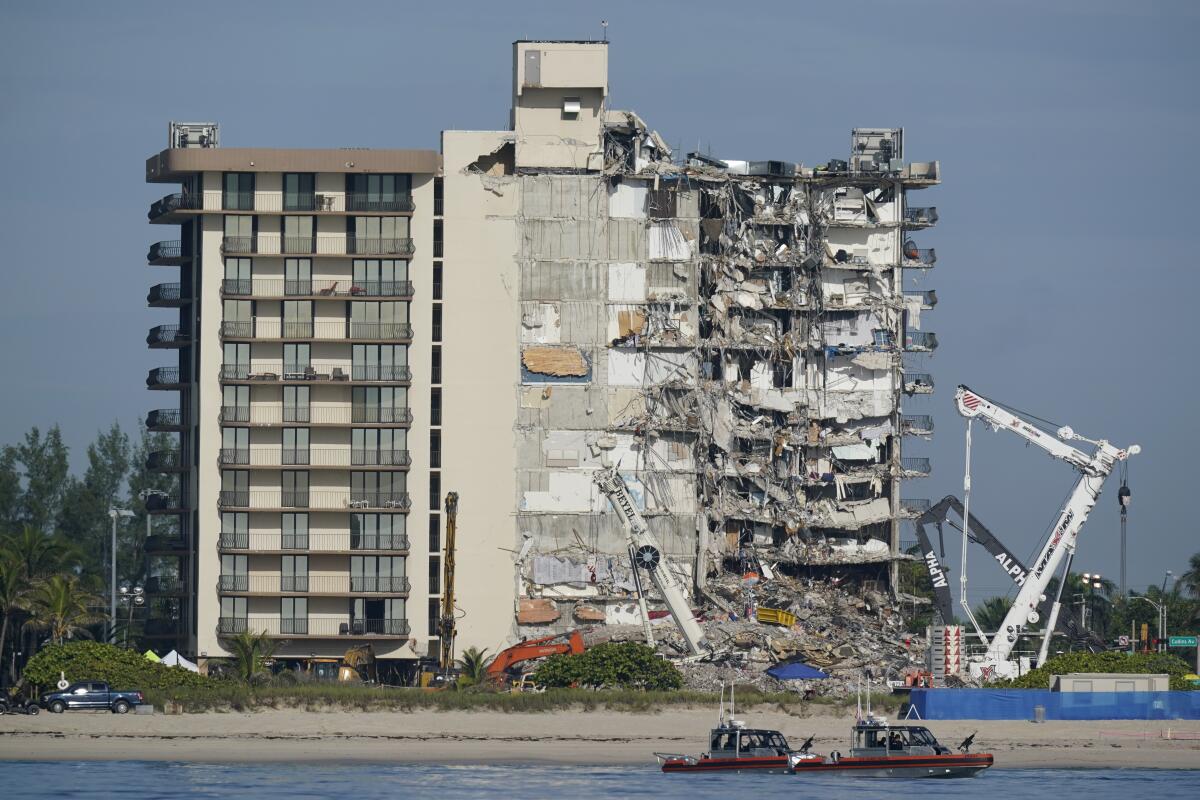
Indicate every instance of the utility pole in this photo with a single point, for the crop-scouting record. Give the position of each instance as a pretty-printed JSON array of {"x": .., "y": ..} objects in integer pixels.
[
  {"x": 114, "y": 514},
  {"x": 1123, "y": 498}
]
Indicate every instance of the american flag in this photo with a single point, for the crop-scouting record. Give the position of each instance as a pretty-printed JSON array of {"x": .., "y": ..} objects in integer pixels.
[{"x": 971, "y": 401}]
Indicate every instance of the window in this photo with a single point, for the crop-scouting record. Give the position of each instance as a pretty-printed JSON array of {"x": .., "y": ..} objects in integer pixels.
[
  {"x": 435, "y": 491},
  {"x": 435, "y": 616},
  {"x": 235, "y": 488},
  {"x": 295, "y": 404},
  {"x": 294, "y": 528},
  {"x": 293, "y": 615},
  {"x": 295, "y": 360},
  {"x": 435, "y": 406},
  {"x": 435, "y": 533},
  {"x": 235, "y": 529},
  {"x": 233, "y": 573},
  {"x": 237, "y": 276},
  {"x": 371, "y": 320},
  {"x": 437, "y": 322},
  {"x": 435, "y": 574},
  {"x": 435, "y": 365},
  {"x": 386, "y": 447},
  {"x": 437, "y": 281},
  {"x": 379, "y": 277},
  {"x": 378, "y": 192},
  {"x": 293, "y": 574},
  {"x": 297, "y": 319},
  {"x": 237, "y": 318},
  {"x": 238, "y": 194},
  {"x": 295, "y": 446},
  {"x": 378, "y": 490},
  {"x": 298, "y": 191},
  {"x": 380, "y": 362},
  {"x": 378, "y": 532},
  {"x": 438, "y": 233},
  {"x": 298, "y": 235},
  {"x": 378, "y": 574},
  {"x": 297, "y": 276},
  {"x": 239, "y": 234},
  {"x": 235, "y": 446},
  {"x": 384, "y": 404},
  {"x": 233, "y": 614},
  {"x": 295, "y": 489},
  {"x": 235, "y": 403},
  {"x": 435, "y": 449},
  {"x": 378, "y": 235}
]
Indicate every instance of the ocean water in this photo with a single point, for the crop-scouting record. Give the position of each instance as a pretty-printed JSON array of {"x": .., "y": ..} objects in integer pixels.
[{"x": 147, "y": 780}]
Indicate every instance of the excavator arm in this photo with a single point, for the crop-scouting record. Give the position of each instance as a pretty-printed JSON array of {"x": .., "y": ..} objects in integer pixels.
[{"x": 534, "y": 648}]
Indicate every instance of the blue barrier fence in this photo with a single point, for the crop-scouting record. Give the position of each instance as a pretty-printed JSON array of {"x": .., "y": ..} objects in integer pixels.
[{"x": 1020, "y": 703}]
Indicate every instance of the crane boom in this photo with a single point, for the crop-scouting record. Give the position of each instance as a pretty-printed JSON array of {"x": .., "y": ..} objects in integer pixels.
[
  {"x": 1093, "y": 469},
  {"x": 648, "y": 554},
  {"x": 447, "y": 624}
]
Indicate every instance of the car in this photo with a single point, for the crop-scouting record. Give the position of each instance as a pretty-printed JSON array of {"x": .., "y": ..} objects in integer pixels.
[{"x": 91, "y": 695}]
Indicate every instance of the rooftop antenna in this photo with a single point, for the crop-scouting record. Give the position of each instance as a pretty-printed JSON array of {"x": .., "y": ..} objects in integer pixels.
[{"x": 604, "y": 25}]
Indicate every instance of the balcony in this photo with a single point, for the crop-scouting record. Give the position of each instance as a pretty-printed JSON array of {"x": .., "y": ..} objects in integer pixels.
[
  {"x": 171, "y": 503},
  {"x": 916, "y": 425},
  {"x": 918, "y": 257},
  {"x": 314, "y": 499},
  {"x": 164, "y": 584},
  {"x": 314, "y": 457},
  {"x": 375, "y": 204},
  {"x": 165, "y": 544},
  {"x": 273, "y": 244},
  {"x": 914, "y": 508},
  {"x": 316, "y": 289},
  {"x": 342, "y": 542},
  {"x": 318, "y": 628},
  {"x": 164, "y": 336},
  {"x": 165, "y": 295},
  {"x": 318, "y": 372},
  {"x": 164, "y": 254},
  {"x": 164, "y": 378},
  {"x": 316, "y": 415},
  {"x": 918, "y": 383},
  {"x": 378, "y": 415},
  {"x": 274, "y": 329},
  {"x": 921, "y": 173},
  {"x": 380, "y": 330},
  {"x": 928, "y": 299},
  {"x": 332, "y": 585},
  {"x": 165, "y": 420},
  {"x": 915, "y": 467},
  {"x": 920, "y": 217},
  {"x": 920, "y": 342},
  {"x": 165, "y": 461}
]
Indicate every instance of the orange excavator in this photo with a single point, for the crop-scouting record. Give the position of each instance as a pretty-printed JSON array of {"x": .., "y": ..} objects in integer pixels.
[{"x": 499, "y": 670}]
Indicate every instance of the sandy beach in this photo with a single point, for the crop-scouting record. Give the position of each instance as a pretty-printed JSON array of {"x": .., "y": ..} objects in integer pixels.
[{"x": 583, "y": 737}]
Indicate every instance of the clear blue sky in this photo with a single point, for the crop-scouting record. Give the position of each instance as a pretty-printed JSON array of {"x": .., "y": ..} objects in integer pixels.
[{"x": 1067, "y": 134}]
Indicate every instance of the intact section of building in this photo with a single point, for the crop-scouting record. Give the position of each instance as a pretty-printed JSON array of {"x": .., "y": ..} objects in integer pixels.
[
  {"x": 298, "y": 386},
  {"x": 736, "y": 336}
]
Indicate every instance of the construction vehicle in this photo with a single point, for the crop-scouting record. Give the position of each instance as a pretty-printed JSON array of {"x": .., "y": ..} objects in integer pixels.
[
  {"x": 647, "y": 555},
  {"x": 1093, "y": 470},
  {"x": 358, "y": 664},
  {"x": 500, "y": 669},
  {"x": 1012, "y": 565}
]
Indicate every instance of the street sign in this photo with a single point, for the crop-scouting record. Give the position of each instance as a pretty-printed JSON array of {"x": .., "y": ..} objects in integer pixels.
[
  {"x": 1123, "y": 641},
  {"x": 1181, "y": 641}
]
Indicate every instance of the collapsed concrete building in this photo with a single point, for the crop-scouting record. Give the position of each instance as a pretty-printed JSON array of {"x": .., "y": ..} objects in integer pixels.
[{"x": 735, "y": 336}]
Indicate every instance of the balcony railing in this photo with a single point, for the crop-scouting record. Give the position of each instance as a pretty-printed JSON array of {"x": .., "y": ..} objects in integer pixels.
[
  {"x": 314, "y": 627},
  {"x": 164, "y": 503},
  {"x": 920, "y": 341},
  {"x": 918, "y": 466},
  {"x": 165, "y": 252},
  {"x": 915, "y": 507},
  {"x": 164, "y": 419},
  {"x": 167, "y": 336},
  {"x": 921, "y": 216},
  {"x": 339, "y": 542},
  {"x": 238, "y": 329},
  {"x": 233, "y": 456},
  {"x": 327, "y": 456},
  {"x": 235, "y": 414},
  {"x": 379, "y": 585},
  {"x": 345, "y": 414},
  {"x": 275, "y": 244},
  {"x": 919, "y": 256},
  {"x": 379, "y": 458},
  {"x": 918, "y": 383},
  {"x": 318, "y": 371},
  {"x": 316, "y": 499},
  {"x": 380, "y": 330},
  {"x": 233, "y": 583},
  {"x": 928, "y": 298},
  {"x": 164, "y": 584},
  {"x": 377, "y": 414},
  {"x": 165, "y": 544},
  {"x": 164, "y": 295},
  {"x": 314, "y": 584},
  {"x": 916, "y": 424},
  {"x": 287, "y": 287},
  {"x": 161, "y": 377},
  {"x": 373, "y": 203},
  {"x": 164, "y": 460}
]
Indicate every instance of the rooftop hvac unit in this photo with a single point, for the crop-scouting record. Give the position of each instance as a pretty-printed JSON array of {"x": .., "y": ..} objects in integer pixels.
[
  {"x": 192, "y": 134},
  {"x": 876, "y": 149},
  {"x": 772, "y": 168}
]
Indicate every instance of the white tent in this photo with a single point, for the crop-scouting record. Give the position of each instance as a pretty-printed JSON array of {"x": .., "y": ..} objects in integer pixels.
[{"x": 173, "y": 659}]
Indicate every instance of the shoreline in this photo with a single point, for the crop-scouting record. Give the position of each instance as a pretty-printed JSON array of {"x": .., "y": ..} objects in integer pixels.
[{"x": 592, "y": 738}]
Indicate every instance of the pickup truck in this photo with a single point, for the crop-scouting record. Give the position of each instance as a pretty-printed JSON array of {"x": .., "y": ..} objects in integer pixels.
[{"x": 90, "y": 694}]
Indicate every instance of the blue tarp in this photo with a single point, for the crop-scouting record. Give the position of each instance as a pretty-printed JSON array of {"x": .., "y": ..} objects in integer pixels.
[
  {"x": 1020, "y": 703},
  {"x": 795, "y": 672}
]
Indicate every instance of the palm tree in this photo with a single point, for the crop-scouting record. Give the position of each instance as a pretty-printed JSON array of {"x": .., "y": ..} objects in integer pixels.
[
  {"x": 990, "y": 613},
  {"x": 37, "y": 554},
  {"x": 59, "y": 606},
  {"x": 14, "y": 590},
  {"x": 251, "y": 651},
  {"x": 474, "y": 664},
  {"x": 1191, "y": 579}
]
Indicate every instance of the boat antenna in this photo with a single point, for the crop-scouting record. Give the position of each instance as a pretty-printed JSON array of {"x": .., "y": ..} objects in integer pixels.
[
  {"x": 858, "y": 697},
  {"x": 721, "y": 706},
  {"x": 868, "y": 695},
  {"x": 732, "y": 703}
]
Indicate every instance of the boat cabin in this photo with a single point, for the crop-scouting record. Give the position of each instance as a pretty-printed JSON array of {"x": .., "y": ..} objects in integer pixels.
[
  {"x": 734, "y": 742},
  {"x": 873, "y": 739}
]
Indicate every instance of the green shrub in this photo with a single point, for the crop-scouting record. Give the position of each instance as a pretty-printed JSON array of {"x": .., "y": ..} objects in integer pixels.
[
  {"x": 627, "y": 665},
  {"x": 1138, "y": 663},
  {"x": 95, "y": 661}
]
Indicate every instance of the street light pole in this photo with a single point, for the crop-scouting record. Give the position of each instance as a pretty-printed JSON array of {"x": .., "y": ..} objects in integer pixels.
[{"x": 114, "y": 514}]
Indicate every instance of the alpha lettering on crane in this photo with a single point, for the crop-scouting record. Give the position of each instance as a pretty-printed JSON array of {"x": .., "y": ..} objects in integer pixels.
[
  {"x": 1054, "y": 540},
  {"x": 935, "y": 570},
  {"x": 1009, "y": 565}
]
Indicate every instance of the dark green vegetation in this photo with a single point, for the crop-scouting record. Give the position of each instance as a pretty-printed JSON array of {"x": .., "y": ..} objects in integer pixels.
[
  {"x": 121, "y": 669},
  {"x": 628, "y": 665},
  {"x": 1139, "y": 663}
]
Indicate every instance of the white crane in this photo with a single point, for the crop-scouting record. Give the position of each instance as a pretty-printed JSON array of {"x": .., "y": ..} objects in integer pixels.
[
  {"x": 1093, "y": 470},
  {"x": 647, "y": 553}
]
